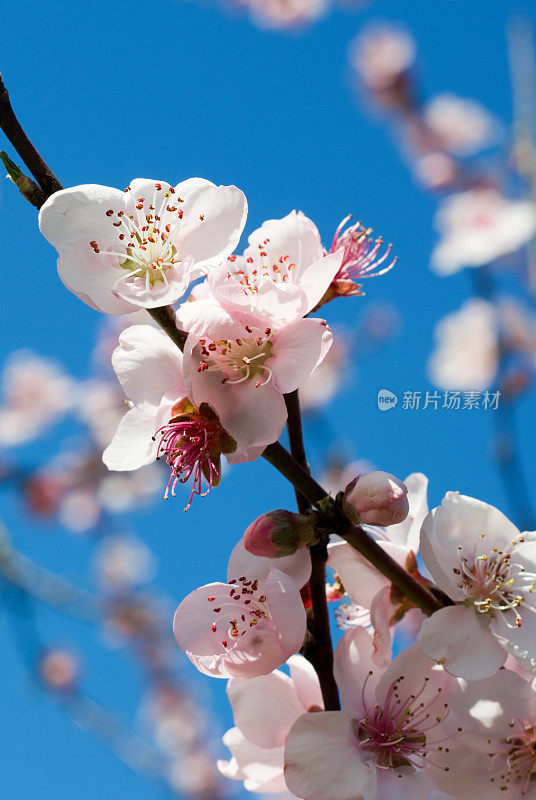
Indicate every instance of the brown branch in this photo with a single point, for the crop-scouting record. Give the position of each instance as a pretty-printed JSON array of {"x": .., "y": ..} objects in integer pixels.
[
  {"x": 16, "y": 135},
  {"x": 318, "y": 648}
]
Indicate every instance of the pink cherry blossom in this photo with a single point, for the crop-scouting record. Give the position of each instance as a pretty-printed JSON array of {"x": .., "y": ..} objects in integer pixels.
[
  {"x": 480, "y": 226},
  {"x": 392, "y": 722},
  {"x": 142, "y": 247},
  {"x": 480, "y": 560},
  {"x": 281, "y": 277},
  {"x": 161, "y": 420},
  {"x": 495, "y": 758},
  {"x": 264, "y": 710},
  {"x": 242, "y": 369},
  {"x": 249, "y": 625}
]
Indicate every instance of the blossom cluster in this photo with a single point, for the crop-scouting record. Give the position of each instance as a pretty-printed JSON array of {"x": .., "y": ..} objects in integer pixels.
[{"x": 444, "y": 717}]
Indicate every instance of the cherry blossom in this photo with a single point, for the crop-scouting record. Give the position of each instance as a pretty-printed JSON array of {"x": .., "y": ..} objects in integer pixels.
[
  {"x": 392, "y": 722},
  {"x": 480, "y": 560},
  {"x": 480, "y": 226},
  {"x": 36, "y": 393},
  {"x": 249, "y": 625},
  {"x": 264, "y": 710},
  {"x": 242, "y": 369},
  {"x": 281, "y": 276},
  {"x": 498, "y": 759},
  {"x": 461, "y": 126},
  {"x": 142, "y": 247},
  {"x": 382, "y": 57},
  {"x": 162, "y": 422},
  {"x": 377, "y": 498}
]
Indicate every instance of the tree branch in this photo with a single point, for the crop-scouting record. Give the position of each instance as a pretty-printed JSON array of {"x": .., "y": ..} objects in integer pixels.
[
  {"x": 318, "y": 648},
  {"x": 358, "y": 538},
  {"x": 15, "y": 133}
]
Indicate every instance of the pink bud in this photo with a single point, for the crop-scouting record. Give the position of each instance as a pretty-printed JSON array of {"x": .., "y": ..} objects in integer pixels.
[
  {"x": 378, "y": 497},
  {"x": 278, "y": 533}
]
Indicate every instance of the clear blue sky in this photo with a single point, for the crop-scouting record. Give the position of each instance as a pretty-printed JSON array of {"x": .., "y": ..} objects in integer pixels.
[{"x": 170, "y": 90}]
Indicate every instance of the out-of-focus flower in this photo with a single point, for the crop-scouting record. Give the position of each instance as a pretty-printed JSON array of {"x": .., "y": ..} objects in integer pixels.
[
  {"x": 286, "y": 13},
  {"x": 488, "y": 568},
  {"x": 378, "y": 498},
  {"x": 36, "y": 393},
  {"x": 264, "y": 710},
  {"x": 123, "y": 562},
  {"x": 101, "y": 406},
  {"x": 466, "y": 355},
  {"x": 436, "y": 170},
  {"x": 142, "y": 247},
  {"x": 58, "y": 669},
  {"x": 471, "y": 342},
  {"x": 382, "y": 57},
  {"x": 462, "y": 126},
  {"x": 480, "y": 226}
]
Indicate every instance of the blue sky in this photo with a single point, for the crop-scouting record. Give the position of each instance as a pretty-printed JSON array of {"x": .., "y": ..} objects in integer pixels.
[{"x": 170, "y": 90}]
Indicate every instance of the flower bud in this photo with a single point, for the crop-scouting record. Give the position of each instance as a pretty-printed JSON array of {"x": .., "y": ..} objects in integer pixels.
[
  {"x": 378, "y": 498},
  {"x": 279, "y": 533}
]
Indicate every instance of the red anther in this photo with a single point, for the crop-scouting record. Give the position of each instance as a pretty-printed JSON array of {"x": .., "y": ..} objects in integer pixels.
[
  {"x": 202, "y": 366},
  {"x": 117, "y": 224},
  {"x": 249, "y": 260},
  {"x": 211, "y": 599},
  {"x": 267, "y": 331},
  {"x": 257, "y": 384},
  {"x": 158, "y": 186},
  {"x": 171, "y": 190},
  {"x": 109, "y": 213},
  {"x": 139, "y": 207},
  {"x": 224, "y": 643},
  {"x": 231, "y": 258},
  {"x": 217, "y": 610},
  {"x": 214, "y": 628},
  {"x": 201, "y": 217}
]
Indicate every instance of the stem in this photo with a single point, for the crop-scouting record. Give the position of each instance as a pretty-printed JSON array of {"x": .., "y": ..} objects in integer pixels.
[
  {"x": 318, "y": 648},
  {"x": 14, "y": 132},
  {"x": 165, "y": 317},
  {"x": 358, "y": 538}
]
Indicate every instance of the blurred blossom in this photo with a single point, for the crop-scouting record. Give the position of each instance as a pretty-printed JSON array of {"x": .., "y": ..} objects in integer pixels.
[
  {"x": 480, "y": 226},
  {"x": 325, "y": 381},
  {"x": 123, "y": 562},
  {"x": 382, "y": 57},
  {"x": 194, "y": 775},
  {"x": 286, "y": 13},
  {"x": 58, "y": 669},
  {"x": 101, "y": 407},
  {"x": 36, "y": 393},
  {"x": 462, "y": 126},
  {"x": 436, "y": 170},
  {"x": 466, "y": 353},
  {"x": 338, "y": 474},
  {"x": 469, "y": 343},
  {"x": 379, "y": 322}
]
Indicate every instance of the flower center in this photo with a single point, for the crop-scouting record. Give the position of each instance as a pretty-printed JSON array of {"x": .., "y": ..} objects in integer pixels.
[
  {"x": 240, "y": 611},
  {"x": 192, "y": 442},
  {"x": 239, "y": 359},
  {"x": 147, "y": 237},
  {"x": 519, "y": 752},
  {"x": 257, "y": 267},
  {"x": 395, "y": 734},
  {"x": 495, "y": 584}
]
